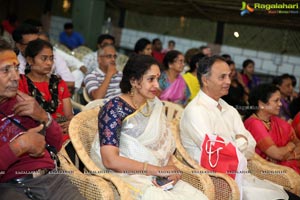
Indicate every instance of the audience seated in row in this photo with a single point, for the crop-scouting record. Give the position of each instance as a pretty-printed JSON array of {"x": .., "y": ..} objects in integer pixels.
[
  {"x": 25, "y": 33},
  {"x": 134, "y": 138},
  {"x": 208, "y": 116}
]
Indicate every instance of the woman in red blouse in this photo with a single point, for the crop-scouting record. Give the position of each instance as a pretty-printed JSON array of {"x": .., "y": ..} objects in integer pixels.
[{"x": 50, "y": 91}]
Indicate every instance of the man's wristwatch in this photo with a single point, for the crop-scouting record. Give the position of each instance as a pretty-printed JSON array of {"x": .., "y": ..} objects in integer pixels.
[{"x": 50, "y": 119}]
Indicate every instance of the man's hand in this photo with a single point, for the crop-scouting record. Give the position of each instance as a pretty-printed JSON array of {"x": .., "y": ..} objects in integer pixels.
[
  {"x": 31, "y": 142},
  {"x": 28, "y": 106},
  {"x": 83, "y": 69},
  {"x": 111, "y": 70},
  {"x": 241, "y": 136},
  {"x": 65, "y": 126}
]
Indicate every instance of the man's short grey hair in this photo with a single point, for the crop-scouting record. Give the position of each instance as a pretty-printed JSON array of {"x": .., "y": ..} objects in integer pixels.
[
  {"x": 101, "y": 50},
  {"x": 205, "y": 64}
]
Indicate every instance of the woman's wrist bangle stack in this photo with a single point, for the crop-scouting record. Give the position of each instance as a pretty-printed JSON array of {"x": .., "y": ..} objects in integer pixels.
[{"x": 294, "y": 154}]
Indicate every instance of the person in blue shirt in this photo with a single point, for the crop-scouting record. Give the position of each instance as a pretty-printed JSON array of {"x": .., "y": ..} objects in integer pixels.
[{"x": 70, "y": 38}]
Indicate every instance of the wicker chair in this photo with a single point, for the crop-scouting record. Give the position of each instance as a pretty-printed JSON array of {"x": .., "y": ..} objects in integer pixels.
[
  {"x": 91, "y": 187},
  {"x": 82, "y": 130},
  {"x": 278, "y": 174},
  {"x": 225, "y": 186},
  {"x": 81, "y": 51},
  {"x": 258, "y": 167}
]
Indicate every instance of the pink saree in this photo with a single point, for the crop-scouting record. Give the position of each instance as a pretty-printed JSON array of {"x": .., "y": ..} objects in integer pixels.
[
  {"x": 280, "y": 134},
  {"x": 176, "y": 91}
]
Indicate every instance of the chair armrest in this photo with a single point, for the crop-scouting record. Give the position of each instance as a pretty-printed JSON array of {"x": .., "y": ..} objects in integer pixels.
[
  {"x": 83, "y": 154},
  {"x": 77, "y": 105},
  {"x": 278, "y": 174},
  {"x": 200, "y": 181},
  {"x": 226, "y": 187},
  {"x": 91, "y": 187}
]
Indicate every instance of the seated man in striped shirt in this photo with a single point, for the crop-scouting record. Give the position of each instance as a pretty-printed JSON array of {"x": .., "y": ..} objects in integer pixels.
[{"x": 103, "y": 82}]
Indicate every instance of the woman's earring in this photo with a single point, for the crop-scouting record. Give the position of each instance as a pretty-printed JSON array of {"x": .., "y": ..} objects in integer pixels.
[
  {"x": 262, "y": 107},
  {"x": 132, "y": 92}
]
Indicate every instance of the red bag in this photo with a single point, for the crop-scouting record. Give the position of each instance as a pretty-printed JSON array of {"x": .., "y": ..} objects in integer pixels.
[{"x": 216, "y": 156}]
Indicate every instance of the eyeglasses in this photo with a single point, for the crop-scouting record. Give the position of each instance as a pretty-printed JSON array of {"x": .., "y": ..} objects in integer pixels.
[
  {"x": 109, "y": 56},
  {"x": 9, "y": 68},
  {"x": 45, "y": 58}
]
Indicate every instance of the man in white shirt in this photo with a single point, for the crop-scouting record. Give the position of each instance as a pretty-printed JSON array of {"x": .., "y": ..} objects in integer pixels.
[
  {"x": 25, "y": 33},
  {"x": 104, "y": 82},
  {"x": 207, "y": 113}
]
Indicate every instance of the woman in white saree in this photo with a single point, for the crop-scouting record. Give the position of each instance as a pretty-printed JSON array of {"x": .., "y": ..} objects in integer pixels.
[{"x": 134, "y": 139}]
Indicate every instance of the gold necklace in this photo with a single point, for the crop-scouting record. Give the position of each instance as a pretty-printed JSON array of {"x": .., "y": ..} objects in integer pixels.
[
  {"x": 148, "y": 110},
  {"x": 264, "y": 121}
]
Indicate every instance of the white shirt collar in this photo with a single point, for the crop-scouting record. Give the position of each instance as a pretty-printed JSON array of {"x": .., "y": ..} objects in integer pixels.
[{"x": 210, "y": 101}]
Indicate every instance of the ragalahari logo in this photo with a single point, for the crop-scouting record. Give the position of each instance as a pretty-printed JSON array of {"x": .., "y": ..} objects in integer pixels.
[{"x": 246, "y": 9}]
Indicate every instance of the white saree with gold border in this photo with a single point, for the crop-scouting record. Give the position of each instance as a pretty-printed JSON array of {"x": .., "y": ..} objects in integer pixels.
[{"x": 147, "y": 139}]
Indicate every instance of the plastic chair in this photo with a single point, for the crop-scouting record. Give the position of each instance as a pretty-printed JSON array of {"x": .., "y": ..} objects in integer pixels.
[
  {"x": 172, "y": 110},
  {"x": 63, "y": 48},
  {"x": 95, "y": 103},
  {"x": 81, "y": 51},
  {"x": 86, "y": 96},
  {"x": 76, "y": 105}
]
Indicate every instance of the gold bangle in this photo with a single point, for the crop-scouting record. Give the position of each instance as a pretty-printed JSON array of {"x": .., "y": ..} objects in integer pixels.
[
  {"x": 294, "y": 154},
  {"x": 145, "y": 166}
]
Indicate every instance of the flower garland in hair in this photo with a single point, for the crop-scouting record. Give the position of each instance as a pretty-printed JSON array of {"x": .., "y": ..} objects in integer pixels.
[{"x": 48, "y": 106}]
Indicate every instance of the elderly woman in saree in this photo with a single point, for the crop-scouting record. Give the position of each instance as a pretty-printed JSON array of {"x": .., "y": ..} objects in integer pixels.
[
  {"x": 172, "y": 85},
  {"x": 134, "y": 139},
  {"x": 276, "y": 139}
]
